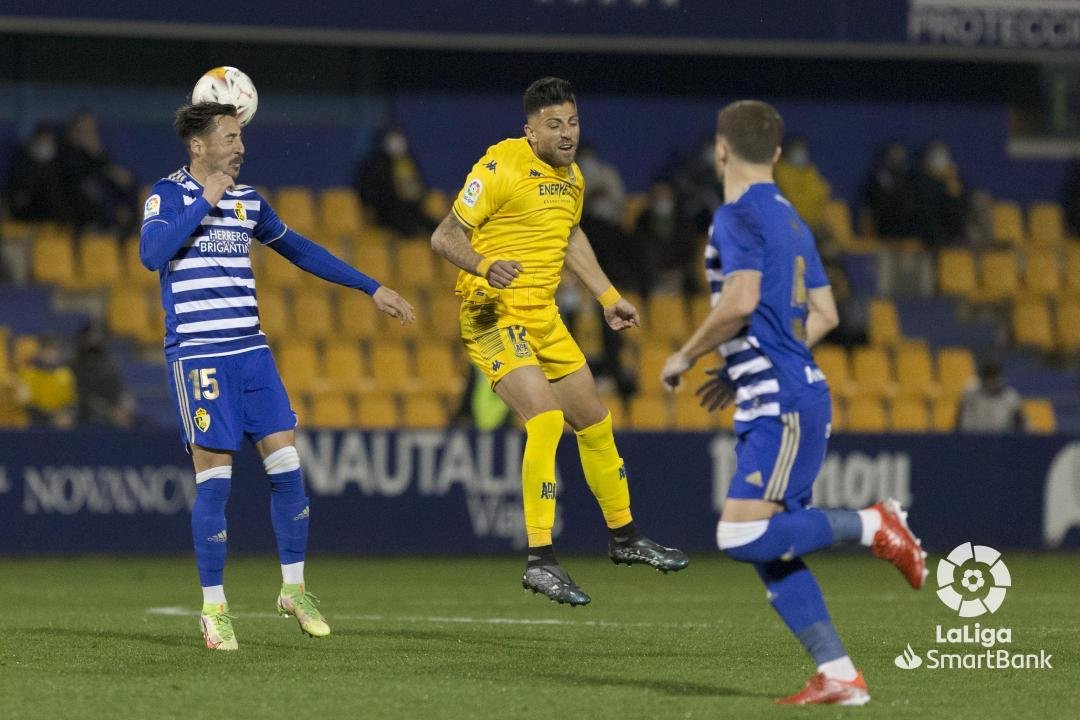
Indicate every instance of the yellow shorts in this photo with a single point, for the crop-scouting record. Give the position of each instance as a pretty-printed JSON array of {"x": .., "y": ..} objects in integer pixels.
[{"x": 516, "y": 329}]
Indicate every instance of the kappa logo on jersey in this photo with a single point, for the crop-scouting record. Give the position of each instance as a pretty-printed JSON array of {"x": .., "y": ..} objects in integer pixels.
[
  {"x": 241, "y": 213},
  {"x": 472, "y": 192},
  {"x": 491, "y": 166},
  {"x": 152, "y": 206},
  {"x": 495, "y": 365},
  {"x": 534, "y": 173},
  {"x": 202, "y": 419}
]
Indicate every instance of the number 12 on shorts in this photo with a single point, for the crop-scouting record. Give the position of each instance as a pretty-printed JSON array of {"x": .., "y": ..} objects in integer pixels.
[{"x": 204, "y": 386}]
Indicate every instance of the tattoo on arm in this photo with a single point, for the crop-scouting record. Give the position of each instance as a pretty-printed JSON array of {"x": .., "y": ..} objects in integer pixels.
[{"x": 451, "y": 241}]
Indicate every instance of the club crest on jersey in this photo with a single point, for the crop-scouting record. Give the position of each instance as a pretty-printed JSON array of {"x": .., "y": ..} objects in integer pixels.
[
  {"x": 152, "y": 206},
  {"x": 241, "y": 213},
  {"x": 202, "y": 419},
  {"x": 472, "y": 192}
]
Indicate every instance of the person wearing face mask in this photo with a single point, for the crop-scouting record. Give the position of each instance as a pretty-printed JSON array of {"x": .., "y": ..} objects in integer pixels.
[
  {"x": 940, "y": 197},
  {"x": 99, "y": 193},
  {"x": 801, "y": 183},
  {"x": 34, "y": 189},
  {"x": 889, "y": 193},
  {"x": 389, "y": 182},
  {"x": 655, "y": 236}
]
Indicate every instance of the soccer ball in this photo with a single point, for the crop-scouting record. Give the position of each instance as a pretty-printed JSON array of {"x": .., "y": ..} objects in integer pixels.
[{"x": 229, "y": 86}]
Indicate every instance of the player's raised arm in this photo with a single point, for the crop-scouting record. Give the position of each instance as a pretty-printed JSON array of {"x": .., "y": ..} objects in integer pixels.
[
  {"x": 168, "y": 223},
  {"x": 581, "y": 260},
  {"x": 451, "y": 242}
]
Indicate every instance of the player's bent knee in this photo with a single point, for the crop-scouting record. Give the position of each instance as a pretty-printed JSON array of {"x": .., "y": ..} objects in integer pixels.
[
  {"x": 738, "y": 539},
  {"x": 214, "y": 483},
  {"x": 283, "y": 460}
]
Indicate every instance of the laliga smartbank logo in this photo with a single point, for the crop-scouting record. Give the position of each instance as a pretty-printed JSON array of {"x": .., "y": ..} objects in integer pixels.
[{"x": 972, "y": 581}]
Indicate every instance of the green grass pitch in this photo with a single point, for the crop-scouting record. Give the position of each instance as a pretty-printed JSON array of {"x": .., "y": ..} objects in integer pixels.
[{"x": 457, "y": 638}]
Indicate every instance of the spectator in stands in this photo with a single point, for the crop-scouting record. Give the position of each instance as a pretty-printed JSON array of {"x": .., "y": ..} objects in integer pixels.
[
  {"x": 989, "y": 405},
  {"x": 103, "y": 399},
  {"x": 49, "y": 386},
  {"x": 802, "y": 183},
  {"x": 889, "y": 193},
  {"x": 98, "y": 193},
  {"x": 1070, "y": 201},
  {"x": 389, "y": 181},
  {"x": 698, "y": 193},
  {"x": 480, "y": 407},
  {"x": 35, "y": 190},
  {"x": 656, "y": 240},
  {"x": 940, "y": 197}
]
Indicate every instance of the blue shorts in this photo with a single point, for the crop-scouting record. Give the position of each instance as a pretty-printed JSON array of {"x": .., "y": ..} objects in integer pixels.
[
  {"x": 222, "y": 399},
  {"x": 778, "y": 458}
]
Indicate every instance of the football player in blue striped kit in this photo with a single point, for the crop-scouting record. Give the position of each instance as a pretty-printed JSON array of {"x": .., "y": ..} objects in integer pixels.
[
  {"x": 771, "y": 303},
  {"x": 198, "y": 226}
]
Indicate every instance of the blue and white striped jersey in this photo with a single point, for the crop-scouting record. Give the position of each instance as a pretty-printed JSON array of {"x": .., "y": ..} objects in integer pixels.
[
  {"x": 208, "y": 288},
  {"x": 768, "y": 361}
]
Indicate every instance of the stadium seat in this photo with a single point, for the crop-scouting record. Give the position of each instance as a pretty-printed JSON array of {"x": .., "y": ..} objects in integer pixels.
[
  {"x": 1007, "y": 223},
  {"x": 24, "y": 348},
  {"x": 998, "y": 279},
  {"x": 436, "y": 204},
  {"x": 909, "y": 415},
  {"x": 1072, "y": 269},
  {"x": 442, "y": 319},
  {"x": 5, "y": 353},
  {"x": 391, "y": 367},
  {"x": 839, "y": 414},
  {"x": 636, "y": 203},
  {"x": 339, "y": 212},
  {"x": 884, "y": 324},
  {"x": 370, "y": 254},
  {"x": 700, "y": 307},
  {"x": 331, "y": 410},
  {"x": 650, "y": 364},
  {"x": 1031, "y": 325},
  {"x": 615, "y": 406},
  {"x": 865, "y": 415},
  {"x": 944, "y": 414},
  {"x": 1046, "y": 224},
  {"x": 915, "y": 372},
  {"x": 129, "y": 314},
  {"x": 272, "y": 270},
  {"x": 345, "y": 368},
  {"x": 135, "y": 275},
  {"x": 1042, "y": 273},
  {"x": 956, "y": 272},
  {"x": 274, "y": 316},
  {"x": 313, "y": 314},
  {"x": 99, "y": 261},
  {"x": 357, "y": 315},
  {"x": 439, "y": 370},
  {"x": 689, "y": 415},
  {"x": 956, "y": 368},
  {"x": 649, "y": 412},
  {"x": 1067, "y": 325},
  {"x": 424, "y": 411},
  {"x": 378, "y": 411},
  {"x": 666, "y": 318},
  {"x": 415, "y": 264},
  {"x": 872, "y": 372},
  {"x": 838, "y": 220},
  {"x": 1039, "y": 416},
  {"x": 298, "y": 362},
  {"x": 296, "y": 208},
  {"x": 833, "y": 361},
  {"x": 53, "y": 258}
]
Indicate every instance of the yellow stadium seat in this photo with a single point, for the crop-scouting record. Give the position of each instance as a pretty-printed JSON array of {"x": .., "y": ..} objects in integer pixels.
[
  {"x": 24, "y": 348},
  {"x": 636, "y": 203},
  {"x": 1067, "y": 324},
  {"x": 944, "y": 414},
  {"x": 884, "y": 325},
  {"x": 833, "y": 361},
  {"x": 956, "y": 272},
  {"x": 865, "y": 415},
  {"x": 313, "y": 315},
  {"x": 839, "y": 414},
  {"x": 5, "y": 353},
  {"x": 1042, "y": 273},
  {"x": 439, "y": 369},
  {"x": 357, "y": 316},
  {"x": 700, "y": 307},
  {"x": 909, "y": 415},
  {"x": 1046, "y": 223},
  {"x": 379, "y": 411},
  {"x": 1007, "y": 223},
  {"x": 53, "y": 258},
  {"x": 345, "y": 368},
  {"x": 915, "y": 372},
  {"x": 272, "y": 270},
  {"x": 296, "y": 208},
  {"x": 1031, "y": 325},
  {"x": 436, "y": 204},
  {"x": 615, "y": 406},
  {"x": 649, "y": 412},
  {"x": 274, "y": 313},
  {"x": 1039, "y": 416},
  {"x": 838, "y": 220},
  {"x": 666, "y": 318},
  {"x": 391, "y": 367},
  {"x": 689, "y": 415},
  {"x": 415, "y": 264},
  {"x": 298, "y": 361},
  {"x": 956, "y": 368},
  {"x": 129, "y": 314},
  {"x": 872, "y": 372},
  {"x": 99, "y": 260},
  {"x": 371, "y": 255},
  {"x": 135, "y": 275},
  {"x": 424, "y": 411},
  {"x": 331, "y": 410},
  {"x": 1072, "y": 269},
  {"x": 339, "y": 211},
  {"x": 998, "y": 279},
  {"x": 442, "y": 320},
  {"x": 650, "y": 364}
]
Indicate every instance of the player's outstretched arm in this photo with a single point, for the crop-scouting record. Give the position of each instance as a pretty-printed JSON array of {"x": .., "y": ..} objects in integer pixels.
[
  {"x": 451, "y": 242},
  {"x": 822, "y": 316},
  {"x": 581, "y": 260}
]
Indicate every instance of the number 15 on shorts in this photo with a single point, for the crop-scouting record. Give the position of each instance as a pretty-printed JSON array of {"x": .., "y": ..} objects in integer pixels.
[{"x": 204, "y": 386}]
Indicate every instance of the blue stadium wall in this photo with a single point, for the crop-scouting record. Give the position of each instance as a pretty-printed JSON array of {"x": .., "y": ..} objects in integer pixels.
[{"x": 458, "y": 492}]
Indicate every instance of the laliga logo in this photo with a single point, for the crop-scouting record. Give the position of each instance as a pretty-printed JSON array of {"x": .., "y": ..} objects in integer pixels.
[{"x": 972, "y": 580}]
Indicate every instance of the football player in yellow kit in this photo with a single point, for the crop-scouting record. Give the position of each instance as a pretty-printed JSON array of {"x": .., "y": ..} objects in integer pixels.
[{"x": 512, "y": 228}]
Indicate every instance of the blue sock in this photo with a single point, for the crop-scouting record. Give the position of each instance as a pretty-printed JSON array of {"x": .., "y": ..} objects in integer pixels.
[
  {"x": 796, "y": 597},
  {"x": 208, "y": 525},
  {"x": 788, "y": 535},
  {"x": 288, "y": 505},
  {"x": 845, "y": 524}
]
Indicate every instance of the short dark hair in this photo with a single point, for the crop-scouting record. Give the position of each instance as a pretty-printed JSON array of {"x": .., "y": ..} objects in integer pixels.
[
  {"x": 548, "y": 91},
  {"x": 752, "y": 128},
  {"x": 198, "y": 118}
]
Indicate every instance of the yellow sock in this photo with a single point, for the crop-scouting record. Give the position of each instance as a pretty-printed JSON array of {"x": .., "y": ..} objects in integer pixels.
[
  {"x": 542, "y": 434},
  {"x": 604, "y": 472}
]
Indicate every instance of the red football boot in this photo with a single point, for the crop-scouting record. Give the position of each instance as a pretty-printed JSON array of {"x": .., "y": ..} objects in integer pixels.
[
  {"x": 823, "y": 690},
  {"x": 895, "y": 542}
]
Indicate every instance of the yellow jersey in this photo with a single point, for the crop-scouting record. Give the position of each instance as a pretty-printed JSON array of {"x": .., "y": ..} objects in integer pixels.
[{"x": 519, "y": 208}]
